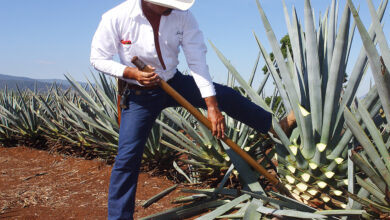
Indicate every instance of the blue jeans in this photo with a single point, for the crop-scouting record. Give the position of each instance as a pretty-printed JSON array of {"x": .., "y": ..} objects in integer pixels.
[{"x": 138, "y": 120}]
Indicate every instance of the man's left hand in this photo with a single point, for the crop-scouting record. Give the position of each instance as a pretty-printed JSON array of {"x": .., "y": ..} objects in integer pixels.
[{"x": 216, "y": 117}]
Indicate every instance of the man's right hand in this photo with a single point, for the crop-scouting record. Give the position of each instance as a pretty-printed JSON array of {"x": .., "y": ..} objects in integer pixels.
[{"x": 144, "y": 78}]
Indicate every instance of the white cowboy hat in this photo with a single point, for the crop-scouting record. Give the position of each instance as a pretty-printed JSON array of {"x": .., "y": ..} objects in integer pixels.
[{"x": 174, "y": 4}]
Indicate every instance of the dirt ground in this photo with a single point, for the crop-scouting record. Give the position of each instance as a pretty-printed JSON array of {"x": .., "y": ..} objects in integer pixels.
[{"x": 38, "y": 185}]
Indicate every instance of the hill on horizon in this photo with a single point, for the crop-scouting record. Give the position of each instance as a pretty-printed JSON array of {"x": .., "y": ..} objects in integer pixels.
[{"x": 12, "y": 82}]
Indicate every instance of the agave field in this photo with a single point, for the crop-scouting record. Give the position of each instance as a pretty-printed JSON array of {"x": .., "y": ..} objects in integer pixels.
[{"x": 335, "y": 163}]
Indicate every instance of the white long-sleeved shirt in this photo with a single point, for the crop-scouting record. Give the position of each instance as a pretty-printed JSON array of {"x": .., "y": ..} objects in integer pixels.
[{"x": 126, "y": 22}]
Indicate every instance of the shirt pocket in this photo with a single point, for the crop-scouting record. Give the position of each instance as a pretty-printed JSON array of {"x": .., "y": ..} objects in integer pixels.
[
  {"x": 126, "y": 43},
  {"x": 127, "y": 51},
  {"x": 127, "y": 48}
]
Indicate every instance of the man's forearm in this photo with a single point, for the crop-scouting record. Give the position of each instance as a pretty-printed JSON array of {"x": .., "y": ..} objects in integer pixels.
[
  {"x": 110, "y": 67},
  {"x": 211, "y": 102},
  {"x": 130, "y": 73},
  {"x": 215, "y": 116}
]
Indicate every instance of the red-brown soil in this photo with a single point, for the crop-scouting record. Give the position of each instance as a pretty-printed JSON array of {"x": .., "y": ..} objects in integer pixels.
[{"x": 39, "y": 185}]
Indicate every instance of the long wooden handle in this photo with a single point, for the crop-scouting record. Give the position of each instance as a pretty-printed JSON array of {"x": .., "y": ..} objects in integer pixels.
[
  {"x": 118, "y": 106},
  {"x": 198, "y": 115},
  {"x": 121, "y": 86}
]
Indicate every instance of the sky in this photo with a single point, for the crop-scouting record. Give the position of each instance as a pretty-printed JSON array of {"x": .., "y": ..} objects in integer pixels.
[{"x": 46, "y": 39}]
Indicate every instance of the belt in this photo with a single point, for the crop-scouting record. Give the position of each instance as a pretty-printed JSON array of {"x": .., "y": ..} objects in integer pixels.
[
  {"x": 140, "y": 90},
  {"x": 137, "y": 87},
  {"x": 129, "y": 86}
]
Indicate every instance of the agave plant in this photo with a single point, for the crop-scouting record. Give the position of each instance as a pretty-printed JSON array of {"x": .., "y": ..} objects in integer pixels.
[
  {"x": 79, "y": 118},
  {"x": 6, "y": 133},
  {"x": 54, "y": 126},
  {"x": 91, "y": 114},
  {"x": 203, "y": 154},
  {"x": 374, "y": 160},
  {"x": 205, "y": 158},
  {"x": 311, "y": 83},
  {"x": 314, "y": 157},
  {"x": 157, "y": 153},
  {"x": 18, "y": 117},
  {"x": 96, "y": 111}
]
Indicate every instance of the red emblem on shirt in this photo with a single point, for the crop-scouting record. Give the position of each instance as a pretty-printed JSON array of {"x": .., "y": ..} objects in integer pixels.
[{"x": 126, "y": 41}]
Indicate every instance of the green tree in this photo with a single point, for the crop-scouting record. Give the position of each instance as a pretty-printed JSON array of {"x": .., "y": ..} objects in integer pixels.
[
  {"x": 284, "y": 42},
  {"x": 275, "y": 103}
]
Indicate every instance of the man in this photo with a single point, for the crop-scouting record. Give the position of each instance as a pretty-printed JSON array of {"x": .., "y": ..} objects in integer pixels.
[{"x": 154, "y": 30}]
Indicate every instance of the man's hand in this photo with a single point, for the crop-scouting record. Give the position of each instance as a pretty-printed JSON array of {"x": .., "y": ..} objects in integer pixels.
[
  {"x": 287, "y": 124},
  {"x": 144, "y": 78},
  {"x": 216, "y": 117}
]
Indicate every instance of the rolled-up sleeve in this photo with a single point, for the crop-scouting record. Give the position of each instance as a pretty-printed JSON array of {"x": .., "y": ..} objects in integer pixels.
[
  {"x": 195, "y": 51},
  {"x": 104, "y": 47}
]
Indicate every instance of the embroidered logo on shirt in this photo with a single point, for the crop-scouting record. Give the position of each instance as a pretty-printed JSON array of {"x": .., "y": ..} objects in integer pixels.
[
  {"x": 126, "y": 42},
  {"x": 179, "y": 34}
]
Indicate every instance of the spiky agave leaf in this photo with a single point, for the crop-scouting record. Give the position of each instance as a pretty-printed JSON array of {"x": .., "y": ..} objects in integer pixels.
[
  {"x": 376, "y": 167},
  {"x": 381, "y": 77}
]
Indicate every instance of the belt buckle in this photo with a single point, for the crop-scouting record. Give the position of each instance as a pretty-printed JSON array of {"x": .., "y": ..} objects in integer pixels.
[{"x": 138, "y": 92}]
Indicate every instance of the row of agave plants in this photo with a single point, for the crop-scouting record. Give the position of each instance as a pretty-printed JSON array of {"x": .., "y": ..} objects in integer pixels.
[
  {"x": 337, "y": 159},
  {"x": 83, "y": 120}
]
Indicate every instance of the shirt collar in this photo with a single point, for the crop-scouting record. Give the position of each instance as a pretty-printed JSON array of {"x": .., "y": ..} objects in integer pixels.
[{"x": 138, "y": 8}]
